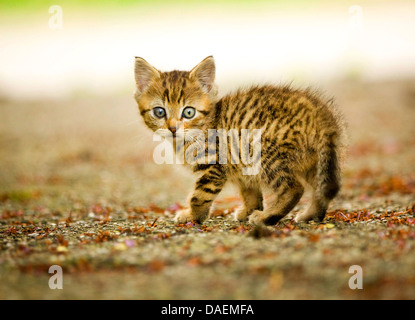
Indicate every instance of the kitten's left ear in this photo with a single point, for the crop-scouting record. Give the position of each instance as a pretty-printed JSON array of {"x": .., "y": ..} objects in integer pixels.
[{"x": 204, "y": 74}]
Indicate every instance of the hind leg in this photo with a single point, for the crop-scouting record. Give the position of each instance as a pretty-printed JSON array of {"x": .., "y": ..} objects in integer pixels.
[
  {"x": 285, "y": 194},
  {"x": 325, "y": 181},
  {"x": 252, "y": 200},
  {"x": 316, "y": 210},
  {"x": 323, "y": 193}
]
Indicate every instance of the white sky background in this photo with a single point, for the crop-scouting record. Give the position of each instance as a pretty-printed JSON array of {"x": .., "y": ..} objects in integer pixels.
[{"x": 94, "y": 52}]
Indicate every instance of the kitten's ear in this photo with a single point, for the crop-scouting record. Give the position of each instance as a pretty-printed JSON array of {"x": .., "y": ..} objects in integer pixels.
[
  {"x": 204, "y": 74},
  {"x": 144, "y": 74}
]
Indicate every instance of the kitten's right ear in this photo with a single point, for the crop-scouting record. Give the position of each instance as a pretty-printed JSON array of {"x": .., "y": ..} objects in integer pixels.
[{"x": 144, "y": 74}]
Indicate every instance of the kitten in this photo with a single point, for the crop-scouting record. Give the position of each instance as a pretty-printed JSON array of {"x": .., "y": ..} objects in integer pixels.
[{"x": 299, "y": 144}]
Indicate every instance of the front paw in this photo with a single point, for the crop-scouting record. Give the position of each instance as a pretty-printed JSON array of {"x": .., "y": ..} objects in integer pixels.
[
  {"x": 256, "y": 218},
  {"x": 183, "y": 216},
  {"x": 240, "y": 214}
]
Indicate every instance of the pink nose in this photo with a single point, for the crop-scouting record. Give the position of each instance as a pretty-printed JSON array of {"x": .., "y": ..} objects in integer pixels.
[{"x": 172, "y": 129}]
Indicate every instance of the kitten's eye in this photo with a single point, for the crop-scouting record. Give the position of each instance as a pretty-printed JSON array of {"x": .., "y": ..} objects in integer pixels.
[
  {"x": 189, "y": 112},
  {"x": 159, "y": 112}
]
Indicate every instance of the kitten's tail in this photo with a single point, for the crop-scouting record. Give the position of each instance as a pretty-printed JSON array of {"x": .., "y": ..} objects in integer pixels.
[{"x": 328, "y": 169}]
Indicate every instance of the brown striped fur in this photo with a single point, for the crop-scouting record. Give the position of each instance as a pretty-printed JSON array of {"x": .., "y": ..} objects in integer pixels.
[{"x": 300, "y": 141}]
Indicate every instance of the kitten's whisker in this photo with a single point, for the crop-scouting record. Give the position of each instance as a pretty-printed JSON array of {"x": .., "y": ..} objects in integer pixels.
[
  {"x": 194, "y": 139},
  {"x": 164, "y": 132},
  {"x": 137, "y": 136},
  {"x": 191, "y": 138}
]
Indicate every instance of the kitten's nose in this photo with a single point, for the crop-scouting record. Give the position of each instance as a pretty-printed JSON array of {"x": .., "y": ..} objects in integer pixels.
[{"x": 173, "y": 129}]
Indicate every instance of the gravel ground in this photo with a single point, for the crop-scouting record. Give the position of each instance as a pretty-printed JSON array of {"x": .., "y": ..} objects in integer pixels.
[{"x": 79, "y": 189}]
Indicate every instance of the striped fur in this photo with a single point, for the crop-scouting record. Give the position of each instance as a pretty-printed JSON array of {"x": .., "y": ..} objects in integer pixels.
[{"x": 300, "y": 141}]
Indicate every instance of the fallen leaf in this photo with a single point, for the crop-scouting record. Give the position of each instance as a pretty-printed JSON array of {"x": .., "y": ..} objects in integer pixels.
[
  {"x": 61, "y": 249},
  {"x": 120, "y": 246}
]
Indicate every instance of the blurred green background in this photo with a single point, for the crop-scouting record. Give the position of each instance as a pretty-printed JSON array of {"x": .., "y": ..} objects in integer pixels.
[{"x": 302, "y": 41}]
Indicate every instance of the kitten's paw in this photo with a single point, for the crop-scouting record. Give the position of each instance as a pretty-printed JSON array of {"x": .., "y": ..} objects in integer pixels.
[
  {"x": 240, "y": 214},
  {"x": 256, "y": 218},
  {"x": 307, "y": 216},
  {"x": 183, "y": 216},
  {"x": 300, "y": 217}
]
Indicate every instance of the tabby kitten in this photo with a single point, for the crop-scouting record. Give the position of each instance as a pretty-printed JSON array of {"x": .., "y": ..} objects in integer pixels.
[{"x": 300, "y": 140}]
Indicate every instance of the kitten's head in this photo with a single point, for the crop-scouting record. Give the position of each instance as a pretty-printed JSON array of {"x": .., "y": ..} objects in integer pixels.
[{"x": 175, "y": 100}]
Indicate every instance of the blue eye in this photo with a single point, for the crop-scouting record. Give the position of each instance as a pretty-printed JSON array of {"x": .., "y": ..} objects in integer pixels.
[
  {"x": 189, "y": 112},
  {"x": 159, "y": 112}
]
